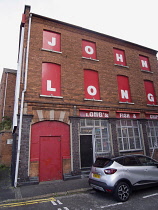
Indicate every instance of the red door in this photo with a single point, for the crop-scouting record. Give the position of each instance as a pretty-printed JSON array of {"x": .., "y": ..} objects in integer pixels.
[{"x": 50, "y": 158}]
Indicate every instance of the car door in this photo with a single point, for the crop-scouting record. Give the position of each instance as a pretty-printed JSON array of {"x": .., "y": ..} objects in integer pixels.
[{"x": 151, "y": 168}]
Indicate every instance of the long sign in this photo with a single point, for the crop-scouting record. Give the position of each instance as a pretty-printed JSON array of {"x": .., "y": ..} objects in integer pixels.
[{"x": 94, "y": 113}]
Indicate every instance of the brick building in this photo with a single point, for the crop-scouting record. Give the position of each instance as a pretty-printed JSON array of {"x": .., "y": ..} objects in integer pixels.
[
  {"x": 7, "y": 92},
  {"x": 82, "y": 94}
]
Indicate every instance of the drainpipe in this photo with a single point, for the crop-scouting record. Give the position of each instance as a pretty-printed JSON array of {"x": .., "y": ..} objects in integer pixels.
[{"x": 22, "y": 105}]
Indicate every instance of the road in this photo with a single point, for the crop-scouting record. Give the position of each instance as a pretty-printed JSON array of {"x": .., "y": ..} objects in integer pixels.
[{"x": 142, "y": 200}]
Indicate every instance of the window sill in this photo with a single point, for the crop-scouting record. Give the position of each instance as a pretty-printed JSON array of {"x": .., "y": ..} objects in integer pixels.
[
  {"x": 121, "y": 66},
  {"x": 86, "y": 99},
  {"x": 125, "y": 103},
  {"x": 152, "y": 105},
  {"x": 50, "y": 96},
  {"x": 90, "y": 59},
  {"x": 53, "y": 51},
  {"x": 145, "y": 71}
]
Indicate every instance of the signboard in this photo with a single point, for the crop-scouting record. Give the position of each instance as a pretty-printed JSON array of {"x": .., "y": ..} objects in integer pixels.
[
  {"x": 94, "y": 113},
  {"x": 151, "y": 116},
  {"x": 128, "y": 115}
]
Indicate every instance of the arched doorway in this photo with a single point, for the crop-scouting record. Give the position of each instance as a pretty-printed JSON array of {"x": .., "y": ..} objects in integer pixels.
[{"x": 50, "y": 143}]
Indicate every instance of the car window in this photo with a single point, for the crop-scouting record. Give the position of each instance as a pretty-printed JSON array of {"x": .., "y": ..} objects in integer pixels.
[
  {"x": 130, "y": 161},
  {"x": 102, "y": 162},
  {"x": 146, "y": 161}
]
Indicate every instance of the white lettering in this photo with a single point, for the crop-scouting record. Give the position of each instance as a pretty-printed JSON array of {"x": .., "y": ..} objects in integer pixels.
[
  {"x": 123, "y": 115},
  {"x": 89, "y": 50},
  {"x": 124, "y": 94},
  {"x": 154, "y": 117},
  {"x": 91, "y": 90},
  {"x": 49, "y": 86},
  {"x": 144, "y": 64},
  {"x": 53, "y": 42},
  {"x": 119, "y": 57},
  {"x": 150, "y": 97}
]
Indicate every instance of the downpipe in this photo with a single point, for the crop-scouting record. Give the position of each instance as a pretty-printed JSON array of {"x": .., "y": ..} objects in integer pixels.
[{"x": 22, "y": 105}]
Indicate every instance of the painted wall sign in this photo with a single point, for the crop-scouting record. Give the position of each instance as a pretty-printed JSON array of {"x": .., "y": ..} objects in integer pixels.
[
  {"x": 51, "y": 41},
  {"x": 91, "y": 84},
  {"x": 124, "y": 89},
  {"x": 144, "y": 63},
  {"x": 94, "y": 113},
  {"x": 151, "y": 116},
  {"x": 150, "y": 92},
  {"x": 51, "y": 79},
  {"x": 127, "y": 115},
  {"x": 89, "y": 49},
  {"x": 119, "y": 57}
]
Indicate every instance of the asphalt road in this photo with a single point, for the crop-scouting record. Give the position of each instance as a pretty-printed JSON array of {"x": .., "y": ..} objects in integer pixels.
[{"x": 140, "y": 200}]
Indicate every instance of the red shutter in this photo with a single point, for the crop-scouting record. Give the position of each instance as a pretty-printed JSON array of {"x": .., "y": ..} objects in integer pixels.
[
  {"x": 119, "y": 57},
  {"x": 89, "y": 49},
  {"x": 91, "y": 85},
  {"x": 51, "y": 41},
  {"x": 144, "y": 63},
  {"x": 51, "y": 79},
  {"x": 124, "y": 89},
  {"x": 150, "y": 92}
]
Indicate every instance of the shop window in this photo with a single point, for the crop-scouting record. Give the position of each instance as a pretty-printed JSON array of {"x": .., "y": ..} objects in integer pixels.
[
  {"x": 144, "y": 63},
  {"x": 128, "y": 135},
  {"x": 124, "y": 89},
  {"x": 119, "y": 57},
  {"x": 91, "y": 85},
  {"x": 89, "y": 50},
  {"x": 150, "y": 92},
  {"x": 51, "y": 41},
  {"x": 51, "y": 81},
  {"x": 152, "y": 132}
]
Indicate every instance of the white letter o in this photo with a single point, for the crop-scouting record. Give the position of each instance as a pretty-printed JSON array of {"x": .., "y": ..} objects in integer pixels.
[
  {"x": 89, "y": 50},
  {"x": 91, "y": 90}
]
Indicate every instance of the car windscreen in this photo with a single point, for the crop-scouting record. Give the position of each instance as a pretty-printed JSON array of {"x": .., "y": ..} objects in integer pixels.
[{"x": 102, "y": 162}]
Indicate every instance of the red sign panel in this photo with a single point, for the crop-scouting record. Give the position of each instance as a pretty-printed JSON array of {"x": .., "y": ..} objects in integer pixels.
[
  {"x": 124, "y": 89},
  {"x": 144, "y": 63},
  {"x": 91, "y": 85},
  {"x": 119, "y": 57},
  {"x": 51, "y": 82},
  {"x": 151, "y": 116},
  {"x": 150, "y": 92},
  {"x": 51, "y": 41},
  {"x": 94, "y": 113},
  {"x": 89, "y": 49},
  {"x": 128, "y": 115}
]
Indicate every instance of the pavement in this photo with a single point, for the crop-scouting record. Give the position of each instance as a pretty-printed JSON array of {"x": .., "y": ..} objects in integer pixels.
[{"x": 42, "y": 190}]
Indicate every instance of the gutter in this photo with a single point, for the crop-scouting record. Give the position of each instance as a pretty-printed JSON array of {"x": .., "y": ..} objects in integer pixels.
[{"x": 22, "y": 105}]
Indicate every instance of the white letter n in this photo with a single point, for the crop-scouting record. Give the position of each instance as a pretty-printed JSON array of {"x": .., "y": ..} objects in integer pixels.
[{"x": 124, "y": 94}]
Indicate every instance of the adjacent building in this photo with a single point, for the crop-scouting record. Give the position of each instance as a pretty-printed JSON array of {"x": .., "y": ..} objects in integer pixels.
[{"x": 80, "y": 94}]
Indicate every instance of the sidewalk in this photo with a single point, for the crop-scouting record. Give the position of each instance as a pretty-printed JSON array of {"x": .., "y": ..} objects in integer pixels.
[{"x": 44, "y": 189}]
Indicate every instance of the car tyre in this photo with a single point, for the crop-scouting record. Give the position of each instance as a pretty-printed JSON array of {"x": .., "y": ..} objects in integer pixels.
[{"x": 122, "y": 192}]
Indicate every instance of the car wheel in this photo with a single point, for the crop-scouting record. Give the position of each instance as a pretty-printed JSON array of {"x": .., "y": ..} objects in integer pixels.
[{"x": 122, "y": 192}]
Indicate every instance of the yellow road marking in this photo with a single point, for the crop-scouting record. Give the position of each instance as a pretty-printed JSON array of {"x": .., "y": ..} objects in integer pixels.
[{"x": 27, "y": 202}]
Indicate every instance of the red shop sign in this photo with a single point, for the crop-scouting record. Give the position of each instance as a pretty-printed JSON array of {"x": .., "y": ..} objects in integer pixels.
[
  {"x": 94, "y": 113},
  {"x": 128, "y": 115},
  {"x": 151, "y": 116}
]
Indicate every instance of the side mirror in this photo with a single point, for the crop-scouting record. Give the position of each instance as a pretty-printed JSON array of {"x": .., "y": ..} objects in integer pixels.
[{"x": 156, "y": 164}]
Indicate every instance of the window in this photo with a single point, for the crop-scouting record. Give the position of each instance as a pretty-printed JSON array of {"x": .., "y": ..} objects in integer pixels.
[
  {"x": 128, "y": 135},
  {"x": 146, "y": 161},
  {"x": 89, "y": 50},
  {"x": 152, "y": 132},
  {"x": 119, "y": 57},
  {"x": 144, "y": 63},
  {"x": 100, "y": 132},
  {"x": 51, "y": 41},
  {"x": 150, "y": 92},
  {"x": 124, "y": 89},
  {"x": 51, "y": 79},
  {"x": 91, "y": 85}
]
